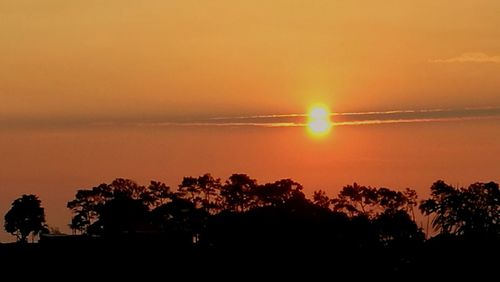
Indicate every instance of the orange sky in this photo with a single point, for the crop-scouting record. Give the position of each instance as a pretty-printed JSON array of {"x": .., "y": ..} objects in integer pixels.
[{"x": 88, "y": 90}]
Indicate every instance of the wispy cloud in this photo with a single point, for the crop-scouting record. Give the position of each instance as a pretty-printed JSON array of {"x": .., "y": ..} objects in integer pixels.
[
  {"x": 259, "y": 116},
  {"x": 365, "y": 118},
  {"x": 342, "y": 119},
  {"x": 272, "y": 116},
  {"x": 471, "y": 57},
  {"x": 220, "y": 124},
  {"x": 416, "y": 120}
]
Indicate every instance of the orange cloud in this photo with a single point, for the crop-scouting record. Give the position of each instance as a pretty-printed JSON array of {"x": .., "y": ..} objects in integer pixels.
[{"x": 472, "y": 57}]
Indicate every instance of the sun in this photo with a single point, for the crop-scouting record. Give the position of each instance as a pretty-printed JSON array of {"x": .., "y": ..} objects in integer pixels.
[{"x": 319, "y": 123}]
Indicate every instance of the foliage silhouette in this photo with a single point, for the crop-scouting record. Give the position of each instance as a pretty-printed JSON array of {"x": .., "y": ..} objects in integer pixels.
[
  {"x": 121, "y": 206},
  {"x": 180, "y": 219},
  {"x": 237, "y": 193},
  {"x": 464, "y": 211},
  {"x": 358, "y": 200},
  {"x": 241, "y": 225},
  {"x": 278, "y": 193},
  {"x": 320, "y": 198},
  {"x": 26, "y": 217},
  {"x": 397, "y": 226},
  {"x": 203, "y": 192}
]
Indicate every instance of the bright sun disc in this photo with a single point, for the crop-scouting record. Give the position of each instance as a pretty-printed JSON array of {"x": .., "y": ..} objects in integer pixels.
[{"x": 319, "y": 123}]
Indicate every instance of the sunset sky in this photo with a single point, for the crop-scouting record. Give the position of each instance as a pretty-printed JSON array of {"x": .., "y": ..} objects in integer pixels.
[{"x": 98, "y": 89}]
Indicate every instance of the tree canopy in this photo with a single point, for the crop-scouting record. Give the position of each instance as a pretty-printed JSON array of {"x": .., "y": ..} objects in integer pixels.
[
  {"x": 464, "y": 211},
  {"x": 25, "y": 217},
  {"x": 206, "y": 220}
]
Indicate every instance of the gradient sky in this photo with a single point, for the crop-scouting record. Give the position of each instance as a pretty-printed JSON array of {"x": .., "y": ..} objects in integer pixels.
[{"x": 93, "y": 90}]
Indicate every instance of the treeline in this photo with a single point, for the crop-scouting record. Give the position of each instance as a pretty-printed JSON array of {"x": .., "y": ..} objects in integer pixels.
[
  {"x": 125, "y": 207},
  {"x": 206, "y": 217}
]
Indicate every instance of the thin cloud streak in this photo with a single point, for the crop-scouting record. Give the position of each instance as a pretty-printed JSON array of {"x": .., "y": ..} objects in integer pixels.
[
  {"x": 471, "y": 57},
  {"x": 259, "y": 116},
  {"x": 221, "y": 124},
  {"x": 291, "y": 124},
  {"x": 398, "y": 116},
  {"x": 417, "y": 120},
  {"x": 333, "y": 114},
  {"x": 391, "y": 112}
]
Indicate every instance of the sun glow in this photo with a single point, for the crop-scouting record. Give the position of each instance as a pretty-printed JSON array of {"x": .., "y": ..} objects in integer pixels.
[{"x": 319, "y": 123}]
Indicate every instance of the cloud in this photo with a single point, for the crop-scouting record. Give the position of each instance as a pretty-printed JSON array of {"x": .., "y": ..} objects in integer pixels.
[
  {"x": 274, "y": 116},
  {"x": 402, "y": 116},
  {"x": 472, "y": 57},
  {"x": 299, "y": 124},
  {"x": 415, "y": 120},
  {"x": 366, "y": 118},
  {"x": 219, "y": 124}
]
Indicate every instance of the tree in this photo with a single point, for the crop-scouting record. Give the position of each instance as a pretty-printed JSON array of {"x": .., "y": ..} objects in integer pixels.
[
  {"x": 120, "y": 206},
  {"x": 203, "y": 192},
  {"x": 464, "y": 211},
  {"x": 237, "y": 192},
  {"x": 26, "y": 217},
  {"x": 321, "y": 199},
  {"x": 277, "y": 193},
  {"x": 180, "y": 219},
  {"x": 86, "y": 206},
  {"x": 159, "y": 194},
  {"x": 358, "y": 200},
  {"x": 121, "y": 214},
  {"x": 397, "y": 226},
  {"x": 386, "y": 210}
]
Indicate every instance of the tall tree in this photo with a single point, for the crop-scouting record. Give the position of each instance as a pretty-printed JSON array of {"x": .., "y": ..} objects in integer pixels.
[
  {"x": 26, "y": 217},
  {"x": 180, "y": 218},
  {"x": 119, "y": 206},
  {"x": 238, "y": 193},
  {"x": 278, "y": 193},
  {"x": 397, "y": 226},
  {"x": 203, "y": 192},
  {"x": 321, "y": 199},
  {"x": 464, "y": 211},
  {"x": 356, "y": 200},
  {"x": 87, "y": 204},
  {"x": 368, "y": 201},
  {"x": 159, "y": 194}
]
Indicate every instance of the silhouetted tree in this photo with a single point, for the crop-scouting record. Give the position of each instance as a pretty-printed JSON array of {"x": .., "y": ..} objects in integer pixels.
[
  {"x": 387, "y": 211},
  {"x": 87, "y": 204},
  {"x": 180, "y": 219},
  {"x": 121, "y": 214},
  {"x": 482, "y": 208},
  {"x": 237, "y": 220},
  {"x": 364, "y": 200},
  {"x": 116, "y": 207},
  {"x": 321, "y": 199},
  {"x": 356, "y": 200},
  {"x": 26, "y": 217},
  {"x": 203, "y": 191},
  {"x": 159, "y": 194},
  {"x": 411, "y": 198},
  {"x": 394, "y": 201},
  {"x": 189, "y": 189},
  {"x": 459, "y": 211},
  {"x": 79, "y": 222},
  {"x": 238, "y": 192},
  {"x": 277, "y": 193},
  {"x": 397, "y": 226}
]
